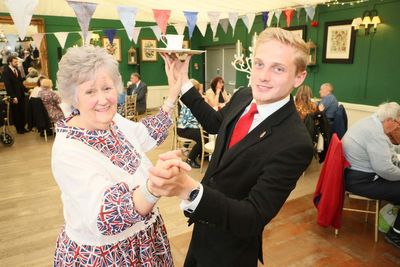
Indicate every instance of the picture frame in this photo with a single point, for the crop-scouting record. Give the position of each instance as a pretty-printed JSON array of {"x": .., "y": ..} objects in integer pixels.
[
  {"x": 185, "y": 45},
  {"x": 300, "y": 31},
  {"x": 339, "y": 42},
  {"x": 114, "y": 48},
  {"x": 146, "y": 55}
]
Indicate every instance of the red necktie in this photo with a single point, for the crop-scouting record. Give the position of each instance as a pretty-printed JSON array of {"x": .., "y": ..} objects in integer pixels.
[
  {"x": 243, "y": 125},
  {"x": 16, "y": 73}
]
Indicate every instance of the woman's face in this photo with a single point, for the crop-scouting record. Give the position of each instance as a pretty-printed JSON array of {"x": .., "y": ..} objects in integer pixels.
[
  {"x": 97, "y": 102},
  {"x": 220, "y": 84}
]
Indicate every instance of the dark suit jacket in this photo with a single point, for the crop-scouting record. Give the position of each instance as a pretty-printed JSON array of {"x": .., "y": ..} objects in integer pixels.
[
  {"x": 245, "y": 186},
  {"x": 141, "y": 92},
  {"x": 14, "y": 85}
]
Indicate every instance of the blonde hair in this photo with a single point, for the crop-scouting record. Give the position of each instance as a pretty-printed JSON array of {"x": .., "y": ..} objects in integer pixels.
[
  {"x": 198, "y": 86},
  {"x": 287, "y": 38},
  {"x": 46, "y": 83},
  {"x": 79, "y": 65}
]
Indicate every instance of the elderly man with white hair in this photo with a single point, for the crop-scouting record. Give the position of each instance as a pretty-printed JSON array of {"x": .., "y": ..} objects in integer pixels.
[{"x": 373, "y": 157}]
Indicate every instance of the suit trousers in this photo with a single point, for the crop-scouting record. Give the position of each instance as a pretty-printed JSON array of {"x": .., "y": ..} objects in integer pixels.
[
  {"x": 363, "y": 184},
  {"x": 192, "y": 134},
  {"x": 18, "y": 114}
]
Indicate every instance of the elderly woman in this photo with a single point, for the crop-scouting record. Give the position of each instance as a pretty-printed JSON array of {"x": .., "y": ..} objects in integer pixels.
[
  {"x": 303, "y": 102},
  {"x": 216, "y": 96},
  {"x": 51, "y": 101},
  {"x": 100, "y": 165}
]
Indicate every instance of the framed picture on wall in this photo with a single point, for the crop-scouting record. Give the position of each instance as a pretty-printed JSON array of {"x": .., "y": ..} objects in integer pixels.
[
  {"x": 339, "y": 42},
  {"x": 114, "y": 48},
  {"x": 145, "y": 54},
  {"x": 185, "y": 45},
  {"x": 300, "y": 31}
]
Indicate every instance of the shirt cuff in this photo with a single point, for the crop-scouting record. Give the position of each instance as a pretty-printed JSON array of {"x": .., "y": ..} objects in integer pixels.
[
  {"x": 186, "y": 87},
  {"x": 190, "y": 206}
]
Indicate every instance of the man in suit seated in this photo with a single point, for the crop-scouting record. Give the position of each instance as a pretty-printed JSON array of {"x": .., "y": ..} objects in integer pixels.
[
  {"x": 374, "y": 171},
  {"x": 261, "y": 150},
  {"x": 139, "y": 88}
]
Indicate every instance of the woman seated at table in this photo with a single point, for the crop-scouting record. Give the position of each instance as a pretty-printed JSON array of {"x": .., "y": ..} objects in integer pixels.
[
  {"x": 303, "y": 102},
  {"x": 51, "y": 101},
  {"x": 217, "y": 96}
]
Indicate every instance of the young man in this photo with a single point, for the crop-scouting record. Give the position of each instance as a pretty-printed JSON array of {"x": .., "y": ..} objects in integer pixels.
[
  {"x": 140, "y": 89},
  {"x": 261, "y": 150},
  {"x": 16, "y": 90}
]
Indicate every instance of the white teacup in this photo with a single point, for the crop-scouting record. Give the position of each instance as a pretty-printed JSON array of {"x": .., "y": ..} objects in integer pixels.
[{"x": 173, "y": 41}]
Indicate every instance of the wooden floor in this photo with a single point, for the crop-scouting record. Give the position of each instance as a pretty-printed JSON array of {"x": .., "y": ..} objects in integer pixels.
[{"x": 31, "y": 217}]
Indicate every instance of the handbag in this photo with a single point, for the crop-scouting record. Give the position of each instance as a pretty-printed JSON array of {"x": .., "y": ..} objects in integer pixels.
[{"x": 387, "y": 216}]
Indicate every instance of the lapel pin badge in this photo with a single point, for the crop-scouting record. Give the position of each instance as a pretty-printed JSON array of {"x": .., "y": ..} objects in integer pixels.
[{"x": 263, "y": 134}]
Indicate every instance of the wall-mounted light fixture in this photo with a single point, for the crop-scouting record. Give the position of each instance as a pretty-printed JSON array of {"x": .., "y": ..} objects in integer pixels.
[{"x": 370, "y": 18}]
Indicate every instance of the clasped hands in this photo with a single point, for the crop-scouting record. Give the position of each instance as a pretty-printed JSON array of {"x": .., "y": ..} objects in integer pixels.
[{"x": 169, "y": 176}]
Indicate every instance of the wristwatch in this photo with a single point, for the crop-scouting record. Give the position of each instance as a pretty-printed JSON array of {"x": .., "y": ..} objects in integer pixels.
[{"x": 193, "y": 194}]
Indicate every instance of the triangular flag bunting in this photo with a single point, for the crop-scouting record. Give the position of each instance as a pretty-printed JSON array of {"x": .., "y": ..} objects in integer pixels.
[
  {"x": 233, "y": 18},
  {"x": 127, "y": 15},
  {"x": 270, "y": 17},
  {"x": 213, "y": 16},
  {"x": 289, "y": 15},
  {"x": 249, "y": 20},
  {"x": 180, "y": 28},
  {"x": 224, "y": 24},
  {"x": 37, "y": 38},
  {"x": 156, "y": 31},
  {"x": 278, "y": 16},
  {"x": 202, "y": 26},
  {"x": 298, "y": 11},
  {"x": 84, "y": 12},
  {"x": 265, "y": 18},
  {"x": 21, "y": 12},
  {"x": 161, "y": 17},
  {"x": 191, "y": 19},
  {"x": 61, "y": 38},
  {"x": 310, "y": 10},
  {"x": 110, "y": 33},
  {"x": 136, "y": 33}
]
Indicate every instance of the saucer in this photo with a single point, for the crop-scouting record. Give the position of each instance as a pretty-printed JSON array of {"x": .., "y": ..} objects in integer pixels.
[{"x": 183, "y": 50}]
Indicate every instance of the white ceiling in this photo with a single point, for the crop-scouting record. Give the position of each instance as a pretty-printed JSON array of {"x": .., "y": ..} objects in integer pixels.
[{"x": 107, "y": 8}]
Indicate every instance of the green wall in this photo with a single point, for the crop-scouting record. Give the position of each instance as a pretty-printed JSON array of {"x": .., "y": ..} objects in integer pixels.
[{"x": 371, "y": 79}]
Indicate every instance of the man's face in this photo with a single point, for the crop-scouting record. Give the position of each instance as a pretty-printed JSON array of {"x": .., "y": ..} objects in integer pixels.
[
  {"x": 273, "y": 75},
  {"x": 323, "y": 91},
  {"x": 14, "y": 63},
  {"x": 134, "y": 79}
]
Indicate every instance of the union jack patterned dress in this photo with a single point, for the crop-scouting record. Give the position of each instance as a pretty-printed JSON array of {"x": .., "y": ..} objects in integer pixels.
[{"x": 97, "y": 171}]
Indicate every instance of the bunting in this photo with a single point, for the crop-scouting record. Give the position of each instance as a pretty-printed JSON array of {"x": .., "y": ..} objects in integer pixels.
[
  {"x": 202, "y": 26},
  {"x": 265, "y": 19},
  {"x": 191, "y": 18},
  {"x": 233, "y": 18},
  {"x": 289, "y": 15},
  {"x": 157, "y": 31},
  {"x": 270, "y": 17},
  {"x": 180, "y": 28},
  {"x": 84, "y": 12},
  {"x": 21, "y": 12},
  {"x": 136, "y": 33},
  {"x": 127, "y": 15},
  {"x": 278, "y": 16},
  {"x": 298, "y": 11},
  {"x": 213, "y": 16},
  {"x": 249, "y": 20},
  {"x": 224, "y": 25},
  {"x": 161, "y": 16},
  {"x": 110, "y": 33},
  {"x": 310, "y": 10},
  {"x": 61, "y": 38}
]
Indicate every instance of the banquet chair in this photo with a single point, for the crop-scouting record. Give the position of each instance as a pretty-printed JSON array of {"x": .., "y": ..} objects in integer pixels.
[
  {"x": 130, "y": 108},
  {"x": 177, "y": 141},
  {"x": 367, "y": 210},
  {"x": 207, "y": 146}
]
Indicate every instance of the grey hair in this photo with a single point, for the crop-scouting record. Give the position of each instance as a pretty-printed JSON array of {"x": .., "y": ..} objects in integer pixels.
[
  {"x": 79, "y": 65},
  {"x": 329, "y": 86},
  {"x": 389, "y": 110}
]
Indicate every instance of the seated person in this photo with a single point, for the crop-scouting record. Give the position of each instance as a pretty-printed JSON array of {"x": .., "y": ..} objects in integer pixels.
[
  {"x": 328, "y": 103},
  {"x": 35, "y": 91},
  {"x": 372, "y": 172},
  {"x": 188, "y": 127},
  {"x": 216, "y": 96},
  {"x": 136, "y": 86},
  {"x": 51, "y": 101},
  {"x": 32, "y": 76},
  {"x": 303, "y": 102}
]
